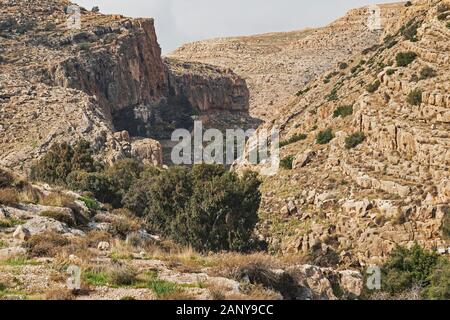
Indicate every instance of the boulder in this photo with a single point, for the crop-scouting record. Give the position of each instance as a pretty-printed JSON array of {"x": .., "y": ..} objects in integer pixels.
[
  {"x": 11, "y": 253},
  {"x": 22, "y": 233},
  {"x": 301, "y": 160}
]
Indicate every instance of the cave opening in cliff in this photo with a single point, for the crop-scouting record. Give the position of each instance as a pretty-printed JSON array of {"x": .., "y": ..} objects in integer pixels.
[{"x": 156, "y": 121}]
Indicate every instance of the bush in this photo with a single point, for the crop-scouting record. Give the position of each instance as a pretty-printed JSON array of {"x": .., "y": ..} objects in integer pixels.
[
  {"x": 207, "y": 207},
  {"x": 123, "y": 174},
  {"x": 406, "y": 268},
  {"x": 333, "y": 96},
  {"x": 408, "y": 4},
  {"x": 97, "y": 184},
  {"x": 405, "y": 58},
  {"x": 390, "y": 72},
  {"x": 61, "y": 160},
  {"x": 443, "y": 16},
  {"x": 92, "y": 204},
  {"x": 6, "y": 179},
  {"x": 354, "y": 140},
  {"x": 415, "y": 97},
  {"x": 446, "y": 224},
  {"x": 324, "y": 137},
  {"x": 287, "y": 162},
  {"x": 373, "y": 86},
  {"x": 448, "y": 25},
  {"x": 343, "y": 111},
  {"x": 46, "y": 244},
  {"x": 293, "y": 139},
  {"x": 427, "y": 73},
  {"x": 439, "y": 287},
  {"x": 9, "y": 196},
  {"x": 122, "y": 276},
  {"x": 409, "y": 31},
  {"x": 343, "y": 65},
  {"x": 122, "y": 226}
]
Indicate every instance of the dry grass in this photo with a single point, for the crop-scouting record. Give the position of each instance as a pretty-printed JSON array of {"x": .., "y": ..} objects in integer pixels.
[
  {"x": 46, "y": 244},
  {"x": 120, "y": 250},
  {"x": 59, "y": 295},
  {"x": 9, "y": 196},
  {"x": 56, "y": 199}
]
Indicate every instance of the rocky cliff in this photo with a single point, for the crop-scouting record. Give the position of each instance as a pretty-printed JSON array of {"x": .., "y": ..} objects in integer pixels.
[
  {"x": 275, "y": 65},
  {"x": 63, "y": 84},
  {"x": 380, "y": 176}
]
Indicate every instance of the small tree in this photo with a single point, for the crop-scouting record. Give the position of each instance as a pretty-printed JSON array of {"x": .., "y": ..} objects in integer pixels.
[{"x": 287, "y": 162}]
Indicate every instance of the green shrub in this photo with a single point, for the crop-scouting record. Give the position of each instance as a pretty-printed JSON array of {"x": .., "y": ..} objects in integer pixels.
[
  {"x": 415, "y": 97},
  {"x": 97, "y": 184},
  {"x": 287, "y": 162},
  {"x": 207, "y": 207},
  {"x": 343, "y": 111},
  {"x": 406, "y": 268},
  {"x": 373, "y": 86},
  {"x": 354, "y": 140},
  {"x": 439, "y": 287},
  {"x": 427, "y": 73},
  {"x": 343, "y": 65},
  {"x": 446, "y": 223},
  {"x": 6, "y": 179},
  {"x": 293, "y": 139},
  {"x": 390, "y": 72},
  {"x": 443, "y": 16},
  {"x": 61, "y": 160},
  {"x": 92, "y": 204},
  {"x": 409, "y": 31},
  {"x": 408, "y": 4},
  {"x": 405, "y": 58},
  {"x": 302, "y": 92},
  {"x": 325, "y": 136},
  {"x": 333, "y": 96},
  {"x": 448, "y": 25},
  {"x": 123, "y": 174}
]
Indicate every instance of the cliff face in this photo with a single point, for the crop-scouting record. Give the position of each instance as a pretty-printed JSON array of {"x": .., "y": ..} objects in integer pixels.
[
  {"x": 128, "y": 71},
  {"x": 60, "y": 84},
  {"x": 277, "y": 65},
  {"x": 207, "y": 87},
  {"x": 359, "y": 198}
]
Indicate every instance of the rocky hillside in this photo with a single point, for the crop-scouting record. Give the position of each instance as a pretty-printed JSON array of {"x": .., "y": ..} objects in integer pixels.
[
  {"x": 276, "y": 65},
  {"x": 369, "y": 146},
  {"x": 60, "y": 84}
]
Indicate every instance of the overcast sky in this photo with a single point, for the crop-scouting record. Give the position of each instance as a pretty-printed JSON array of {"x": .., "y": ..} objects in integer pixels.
[{"x": 181, "y": 21}]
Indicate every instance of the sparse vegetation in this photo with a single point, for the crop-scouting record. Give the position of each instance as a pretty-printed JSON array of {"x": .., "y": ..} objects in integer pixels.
[
  {"x": 446, "y": 223},
  {"x": 354, "y": 140},
  {"x": 409, "y": 31},
  {"x": 46, "y": 244},
  {"x": 6, "y": 179},
  {"x": 293, "y": 139},
  {"x": 60, "y": 216},
  {"x": 287, "y": 162},
  {"x": 302, "y": 92},
  {"x": 390, "y": 72},
  {"x": 9, "y": 196},
  {"x": 343, "y": 65},
  {"x": 427, "y": 73},
  {"x": 414, "y": 97},
  {"x": 343, "y": 111},
  {"x": 325, "y": 136},
  {"x": 405, "y": 58},
  {"x": 373, "y": 87}
]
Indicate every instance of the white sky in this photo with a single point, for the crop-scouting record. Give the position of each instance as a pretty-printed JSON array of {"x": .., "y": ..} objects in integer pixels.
[{"x": 181, "y": 21}]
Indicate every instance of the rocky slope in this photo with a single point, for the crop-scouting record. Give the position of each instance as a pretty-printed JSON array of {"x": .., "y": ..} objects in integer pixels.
[
  {"x": 276, "y": 65},
  {"x": 61, "y": 84},
  {"x": 392, "y": 187}
]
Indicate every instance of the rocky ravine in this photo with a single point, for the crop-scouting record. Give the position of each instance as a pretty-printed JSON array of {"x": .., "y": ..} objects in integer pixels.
[
  {"x": 276, "y": 65},
  {"x": 59, "y": 84},
  {"x": 359, "y": 202}
]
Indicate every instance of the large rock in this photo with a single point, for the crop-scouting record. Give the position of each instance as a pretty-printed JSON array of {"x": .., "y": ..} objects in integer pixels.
[
  {"x": 148, "y": 151},
  {"x": 301, "y": 160}
]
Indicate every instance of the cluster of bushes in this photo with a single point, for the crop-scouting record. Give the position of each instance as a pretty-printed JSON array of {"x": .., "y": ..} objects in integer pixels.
[
  {"x": 343, "y": 111},
  {"x": 405, "y": 58},
  {"x": 407, "y": 269},
  {"x": 325, "y": 136},
  {"x": 415, "y": 97},
  {"x": 293, "y": 139},
  {"x": 302, "y": 92},
  {"x": 205, "y": 207}
]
